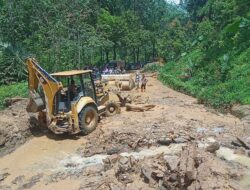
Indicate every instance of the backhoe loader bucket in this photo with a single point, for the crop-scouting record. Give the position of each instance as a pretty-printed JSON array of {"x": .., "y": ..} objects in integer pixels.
[{"x": 35, "y": 105}]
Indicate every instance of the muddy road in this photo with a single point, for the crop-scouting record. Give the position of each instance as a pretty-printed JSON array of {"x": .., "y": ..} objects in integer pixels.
[{"x": 179, "y": 144}]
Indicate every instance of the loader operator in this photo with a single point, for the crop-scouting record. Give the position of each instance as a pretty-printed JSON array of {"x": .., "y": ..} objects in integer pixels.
[{"x": 72, "y": 90}]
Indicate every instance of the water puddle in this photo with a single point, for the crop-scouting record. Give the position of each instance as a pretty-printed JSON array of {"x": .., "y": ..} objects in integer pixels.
[{"x": 76, "y": 162}]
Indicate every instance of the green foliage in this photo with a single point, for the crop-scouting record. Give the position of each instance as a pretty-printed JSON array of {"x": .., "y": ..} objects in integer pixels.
[
  {"x": 216, "y": 67},
  {"x": 206, "y": 85},
  {"x": 152, "y": 67},
  {"x": 14, "y": 90},
  {"x": 67, "y": 34}
]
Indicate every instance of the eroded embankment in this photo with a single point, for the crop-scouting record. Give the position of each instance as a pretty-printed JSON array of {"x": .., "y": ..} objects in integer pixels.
[{"x": 16, "y": 127}]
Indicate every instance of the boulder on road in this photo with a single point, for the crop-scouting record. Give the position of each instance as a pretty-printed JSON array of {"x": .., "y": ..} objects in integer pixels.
[
  {"x": 180, "y": 140},
  {"x": 146, "y": 172},
  {"x": 172, "y": 162},
  {"x": 212, "y": 148},
  {"x": 164, "y": 141}
]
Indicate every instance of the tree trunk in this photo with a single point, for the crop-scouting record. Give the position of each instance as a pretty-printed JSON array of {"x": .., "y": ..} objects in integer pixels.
[
  {"x": 107, "y": 56},
  {"x": 102, "y": 56},
  {"x": 139, "y": 108},
  {"x": 79, "y": 51},
  {"x": 153, "y": 54},
  {"x": 114, "y": 53},
  {"x": 134, "y": 56},
  {"x": 83, "y": 57},
  {"x": 138, "y": 55},
  {"x": 79, "y": 58}
]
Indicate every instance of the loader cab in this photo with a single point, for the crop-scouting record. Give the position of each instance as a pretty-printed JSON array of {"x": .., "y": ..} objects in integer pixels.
[{"x": 76, "y": 84}]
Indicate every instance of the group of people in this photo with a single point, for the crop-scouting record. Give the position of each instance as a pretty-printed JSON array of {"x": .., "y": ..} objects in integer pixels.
[
  {"x": 107, "y": 71},
  {"x": 140, "y": 80}
]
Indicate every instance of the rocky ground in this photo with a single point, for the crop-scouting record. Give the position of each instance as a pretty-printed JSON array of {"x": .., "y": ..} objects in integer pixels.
[{"x": 179, "y": 144}]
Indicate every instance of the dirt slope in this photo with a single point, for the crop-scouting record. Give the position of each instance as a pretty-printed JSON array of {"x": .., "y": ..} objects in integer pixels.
[
  {"x": 15, "y": 127},
  {"x": 159, "y": 149}
]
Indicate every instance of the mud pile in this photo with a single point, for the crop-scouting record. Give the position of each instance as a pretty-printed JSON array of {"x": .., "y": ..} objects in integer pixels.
[{"x": 15, "y": 127}]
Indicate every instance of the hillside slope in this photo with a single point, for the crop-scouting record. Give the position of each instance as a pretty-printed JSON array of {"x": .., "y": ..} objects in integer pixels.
[{"x": 215, "y": 67}]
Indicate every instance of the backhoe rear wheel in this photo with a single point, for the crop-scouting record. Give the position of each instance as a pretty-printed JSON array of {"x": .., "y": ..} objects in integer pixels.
[
  {"x": 112, "y": 108},
  {"x": 88, "y": 119}
]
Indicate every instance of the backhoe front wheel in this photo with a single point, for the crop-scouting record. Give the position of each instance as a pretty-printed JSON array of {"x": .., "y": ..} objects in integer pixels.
[{"x": 88, "y": 119}]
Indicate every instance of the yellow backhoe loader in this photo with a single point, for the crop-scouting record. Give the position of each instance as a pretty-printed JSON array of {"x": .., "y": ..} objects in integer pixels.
[{"x": 67, "y": 102}]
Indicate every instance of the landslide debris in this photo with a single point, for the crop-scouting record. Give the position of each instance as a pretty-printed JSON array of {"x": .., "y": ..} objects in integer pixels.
[
  {"x": 114, "y": 143},
  {"x": 193, "y": 168},
  {"x": 176, "y": 119},
  {"x": 16, "y": 127}
]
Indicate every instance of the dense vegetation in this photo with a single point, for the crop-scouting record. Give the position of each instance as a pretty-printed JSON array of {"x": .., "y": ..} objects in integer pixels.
[
  {"x": 72, "y": 34},
  {"x": 205, "y": 44},
  {"x": 216, "y": 68}
]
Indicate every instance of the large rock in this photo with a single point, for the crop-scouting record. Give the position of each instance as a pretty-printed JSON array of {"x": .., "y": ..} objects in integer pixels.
[
  {"x": 172, "y": 161},
  {"x": 157, "y": 174},
  {"x": 164, "y": 141},
  {"x": 146, "y": 172},
  {"x": 125, "y": 178},
  {"x": 212, "y": 148},
  {"x": 180, "y": 140}
]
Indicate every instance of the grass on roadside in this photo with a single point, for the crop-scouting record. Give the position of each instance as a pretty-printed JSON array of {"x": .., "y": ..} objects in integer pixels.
[
  {"x": 14, "y": 90},
  {"x": 205, "y": 80}
]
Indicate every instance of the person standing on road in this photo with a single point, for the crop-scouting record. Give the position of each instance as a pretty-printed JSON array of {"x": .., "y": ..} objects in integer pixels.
[
  {"x": 137, "y": 80},
  {"x": 143, "y": 83}
]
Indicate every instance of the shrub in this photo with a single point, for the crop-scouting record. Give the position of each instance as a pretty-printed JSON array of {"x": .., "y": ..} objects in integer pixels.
[
  {"x": 152, "y": 67},
  {"x": 211, "y": 82},
  {"x": 10, "y": 91}
]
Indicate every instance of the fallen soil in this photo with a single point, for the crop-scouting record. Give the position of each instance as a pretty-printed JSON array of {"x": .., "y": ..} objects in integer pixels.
[
  {"x": 16, "y": 127},
  {"x": 178, "y": 144}
]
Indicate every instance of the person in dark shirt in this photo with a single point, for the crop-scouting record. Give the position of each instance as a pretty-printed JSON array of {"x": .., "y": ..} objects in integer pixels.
[
  {"x": 143, "y": 83},
  {"x": 72, "y": 90}
]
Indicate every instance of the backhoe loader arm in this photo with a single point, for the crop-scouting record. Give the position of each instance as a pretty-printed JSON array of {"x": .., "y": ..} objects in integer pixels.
[
  {"x": 50, "y": 86},
  {"x": 34, "y": 69}
]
